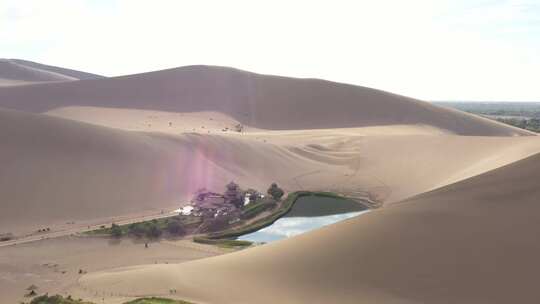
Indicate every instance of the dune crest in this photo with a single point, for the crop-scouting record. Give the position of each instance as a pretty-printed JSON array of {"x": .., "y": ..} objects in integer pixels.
[
  {"x": 259, "y": 101},
  {"x": 21, "y": 72}
]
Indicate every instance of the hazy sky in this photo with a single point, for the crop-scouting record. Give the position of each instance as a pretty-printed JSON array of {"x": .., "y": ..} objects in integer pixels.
[{"x": 433, "y": 50}]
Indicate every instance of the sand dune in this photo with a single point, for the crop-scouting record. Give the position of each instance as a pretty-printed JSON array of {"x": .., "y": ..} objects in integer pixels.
[
  {"x": 469, "y": 242},
  {"x": 64, "y": 71},
  {"x": 61, "y": 170},
  {"x": 88, "y": 171},
  {"x": 56, "y": 169},
  {"x": 54, "y": 264},
  {"x": 392, "y": 168},
  {"x": 148, "y": 141},
  {"x": 80, "y": 171},
  {"x": 18, "y": 72},
  {"x": 259, "y": 101}
]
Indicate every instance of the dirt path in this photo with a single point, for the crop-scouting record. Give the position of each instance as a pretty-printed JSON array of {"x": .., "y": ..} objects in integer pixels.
[{"x": 81, "y": 228}]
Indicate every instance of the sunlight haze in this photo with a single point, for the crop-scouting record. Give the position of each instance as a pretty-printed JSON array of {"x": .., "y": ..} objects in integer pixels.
[{"x": 432, "y": 50}]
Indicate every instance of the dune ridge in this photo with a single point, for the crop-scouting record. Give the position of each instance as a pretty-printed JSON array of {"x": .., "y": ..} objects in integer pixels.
[
  {"x": 259, "y": 101},
  {"x": 20, "y": 72}
]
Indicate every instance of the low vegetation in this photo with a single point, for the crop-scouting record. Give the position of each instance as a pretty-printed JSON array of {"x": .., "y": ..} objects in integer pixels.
[
  {"x": 174, "y": 226},
  {"x": 258, "y": 207},
  {"x": 224, "y": 243},
  {"x": 156, "y": 301},
  {"x": 326, "y": 194},
  {"x": 524, "y": 115},
  {"x": 531, "y": 124},
  {"x": 57, "y": 299}
]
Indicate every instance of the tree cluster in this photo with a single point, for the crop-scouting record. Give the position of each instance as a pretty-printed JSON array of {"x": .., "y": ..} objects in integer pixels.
[
  {"x": 153, "y": 229},
  {"x": 146, "y": 229},
  {"x": 532, "y": 124}
]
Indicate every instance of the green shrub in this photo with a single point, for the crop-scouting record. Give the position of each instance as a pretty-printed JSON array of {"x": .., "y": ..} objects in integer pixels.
[
  {"x": 116, "y": 231},
  {"x": 153, "y": 231},
  {"x": 275, "y": 191},
  {"x": 137, "y": 229},
  {"x": 56, "y": 299},
  {"x": 223, "y": 243},
  {"x": 256, "y": 208},
  {"x": 174, "y": 227},
  {"x": 219, "y": 223},
  {"x": 154, "y": 300}
]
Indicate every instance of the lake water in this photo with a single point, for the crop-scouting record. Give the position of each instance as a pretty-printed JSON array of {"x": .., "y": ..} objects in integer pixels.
[{"x": 308, "y": 213}]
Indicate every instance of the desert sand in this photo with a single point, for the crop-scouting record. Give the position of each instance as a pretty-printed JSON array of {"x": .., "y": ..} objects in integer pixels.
[
  {"x": 260, "y": 101},
  {"x": 469, "y": 242},
  {"x": 53, "y": 265},
  {"x": 457, "y": 191}
]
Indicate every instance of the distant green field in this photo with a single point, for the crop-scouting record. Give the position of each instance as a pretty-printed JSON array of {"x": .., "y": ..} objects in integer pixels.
[
  {"x": 501, "y": 108},
  {"x": 524, "y": 115}
]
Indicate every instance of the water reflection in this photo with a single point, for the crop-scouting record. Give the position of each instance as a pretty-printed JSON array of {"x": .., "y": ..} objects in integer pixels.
[{"x": 290, "y": 226}]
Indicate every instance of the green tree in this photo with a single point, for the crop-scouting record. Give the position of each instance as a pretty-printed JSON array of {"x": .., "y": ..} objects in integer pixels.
[
  {"x": 233, "y": 195},
  {"x": 137, "y": 229},
  {"x": 216, "y": 224},
  {"x": 174, "y": 227},
  {"x": 275, "y": 191},
  {"x": 116, "y": 231},
  {"x": 153, "y": 231}
]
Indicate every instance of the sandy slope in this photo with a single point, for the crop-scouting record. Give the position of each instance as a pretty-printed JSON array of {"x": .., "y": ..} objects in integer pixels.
[
  {"x": 374, "y": 143},
  {"x": 61, "y": 170},
  {"x": 260, "y": 101},
  {"x": 53, "y": 265},
  {"x": 392, "y": 168},
  {"x": 469, "y": 242},
  {"x": 17, "y": 72},
  {"x": 64, "y": 71},
  {"x": 55, "y": 169},
  {"x": 145, "y": 142}
]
